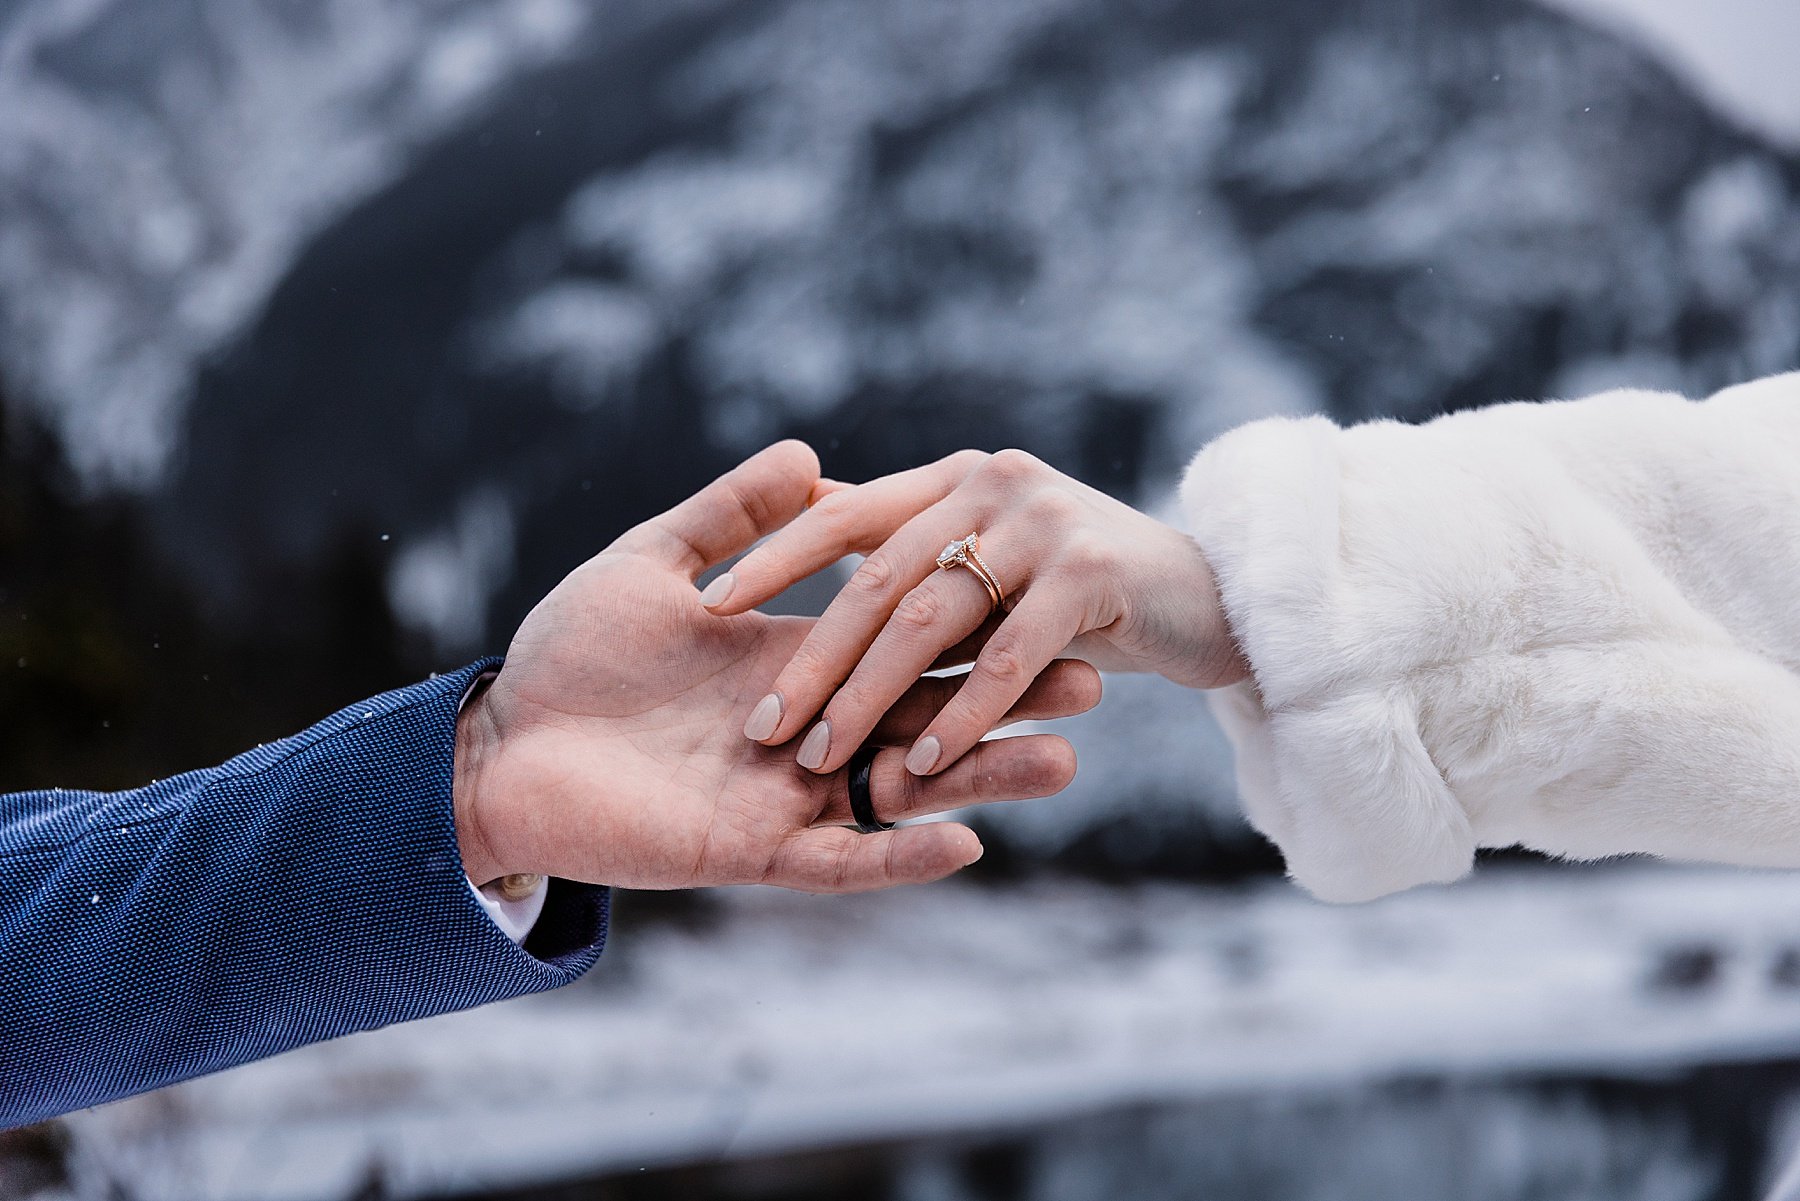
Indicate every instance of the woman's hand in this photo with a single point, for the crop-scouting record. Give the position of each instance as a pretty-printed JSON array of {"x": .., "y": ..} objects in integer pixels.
[{"x": 1081, "y": 573}]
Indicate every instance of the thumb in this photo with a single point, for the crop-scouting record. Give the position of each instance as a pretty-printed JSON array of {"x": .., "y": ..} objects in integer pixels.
[{"x": 753, "y": 499}]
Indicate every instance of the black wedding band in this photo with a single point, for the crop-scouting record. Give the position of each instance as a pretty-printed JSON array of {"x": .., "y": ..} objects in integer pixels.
[{"x": 862, "y": 807}]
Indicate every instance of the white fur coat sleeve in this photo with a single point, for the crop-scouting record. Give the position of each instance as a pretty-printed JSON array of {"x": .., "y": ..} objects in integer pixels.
[{"x": 1573, "y": 626}]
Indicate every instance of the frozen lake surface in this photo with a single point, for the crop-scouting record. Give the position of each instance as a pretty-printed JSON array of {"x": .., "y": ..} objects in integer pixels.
[{"x": 780, "y": 1023}]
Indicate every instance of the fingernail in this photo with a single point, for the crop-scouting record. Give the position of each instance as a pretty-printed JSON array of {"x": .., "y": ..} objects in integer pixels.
[
  {"x": 764, "y": 718},
  {"x": 719, "y": 591},
  {"x": 812, "y": 751},
  {"x": 924, "y": 755}
]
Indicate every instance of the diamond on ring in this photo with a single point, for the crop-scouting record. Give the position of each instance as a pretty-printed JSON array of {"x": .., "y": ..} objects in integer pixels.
[
  {"x": 957, "y": 553},
  {"x": 963, "y": 553}
]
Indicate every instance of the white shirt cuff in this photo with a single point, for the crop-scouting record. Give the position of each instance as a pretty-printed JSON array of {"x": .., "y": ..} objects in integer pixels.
[{"x": 515, "y": 918}]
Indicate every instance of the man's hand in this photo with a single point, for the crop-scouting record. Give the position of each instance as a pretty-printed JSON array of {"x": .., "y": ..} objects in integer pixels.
[{"x": 611, "y": 748}]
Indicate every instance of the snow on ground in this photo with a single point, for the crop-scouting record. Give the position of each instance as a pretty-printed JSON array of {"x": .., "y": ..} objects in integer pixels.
[{"x": 793, "y": 1022}]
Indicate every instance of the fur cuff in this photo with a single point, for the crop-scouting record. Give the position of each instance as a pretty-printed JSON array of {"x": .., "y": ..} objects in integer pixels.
[
  {"x": 1330, "y": 766},
  {"x": 1569, "y": 626}
]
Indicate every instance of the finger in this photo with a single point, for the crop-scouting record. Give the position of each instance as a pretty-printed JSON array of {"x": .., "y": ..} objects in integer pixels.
[
  {"x": 753, "y": 499},
  {"x": 1000, "y": 769},
  {"x": 852, "y": 622},
  {"x": 835, "y": 859},
  {"x": 1067, "y": 687},
  {"x": 1039, "y": 630},
  {"x": 940, "y": 612},
  {"x": 843, "y": 520}
]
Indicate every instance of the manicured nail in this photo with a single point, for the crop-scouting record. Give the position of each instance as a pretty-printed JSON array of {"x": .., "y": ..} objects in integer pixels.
[
  {"x": 764, "y": 718},
  {"x": 812, "y": 751},
  {"x": 924, "y": 755},
  {"x": 719, "y": 591}
]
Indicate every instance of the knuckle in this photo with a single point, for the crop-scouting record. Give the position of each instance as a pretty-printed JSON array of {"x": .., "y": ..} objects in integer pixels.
[
  {"x": 842, "y": 867},
  {"x": 1053, "y": 507},
  {"x": 834, "y": 513},
  {"x": 874, "y": 578},
  {"x": 844, "y": 711},
  {"x": 1083, "y": 556},
  {"x": 963, "y": 462},
  {"x": 1002, "y": 662},
  {"x": 985, "y": 783},
  {"x": 811, "y": 666},
  {"x": 807, "y": 659},
  {"x": 1012, "y": 466},
  {"x": 750, "y": 502},
  {"x": 918, "y": 612},
  {"x": 816, "y": 865}
]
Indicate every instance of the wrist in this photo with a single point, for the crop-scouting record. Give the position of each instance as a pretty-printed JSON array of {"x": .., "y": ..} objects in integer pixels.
[
  {"x": 1213, "y": 658},
  {"x": 476, "y": 753}
]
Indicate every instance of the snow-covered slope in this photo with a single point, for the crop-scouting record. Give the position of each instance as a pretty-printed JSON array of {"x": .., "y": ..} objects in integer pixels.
[
  {"x": 163, "y": 163},
  {"x": 1223, "y": 1025}
]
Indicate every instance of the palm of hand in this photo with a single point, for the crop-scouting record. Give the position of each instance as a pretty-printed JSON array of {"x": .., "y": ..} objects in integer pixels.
[{"x": 624, "y": 699}]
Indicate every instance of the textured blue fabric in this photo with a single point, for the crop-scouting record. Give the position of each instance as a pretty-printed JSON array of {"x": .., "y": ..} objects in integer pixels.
[{"x": 307, "y": 889}]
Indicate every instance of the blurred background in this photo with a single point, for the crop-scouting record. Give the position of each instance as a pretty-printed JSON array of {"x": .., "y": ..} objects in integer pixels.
[{"x": 332, "y": 333}]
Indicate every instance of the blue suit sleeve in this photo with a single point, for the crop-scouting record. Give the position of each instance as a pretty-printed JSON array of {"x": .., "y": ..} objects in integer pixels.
[{"x": 307, "y": 889}]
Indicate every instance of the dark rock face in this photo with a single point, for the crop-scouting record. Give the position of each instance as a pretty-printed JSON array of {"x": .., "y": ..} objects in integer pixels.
[{"x": 559, "y": 298}]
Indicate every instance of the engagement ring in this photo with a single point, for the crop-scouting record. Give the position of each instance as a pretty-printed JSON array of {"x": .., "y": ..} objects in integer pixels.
[{"x": 964, "y": 553}]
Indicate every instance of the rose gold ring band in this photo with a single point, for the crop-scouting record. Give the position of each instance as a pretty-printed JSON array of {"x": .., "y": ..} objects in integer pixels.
[{"x": 965, "y": 553}]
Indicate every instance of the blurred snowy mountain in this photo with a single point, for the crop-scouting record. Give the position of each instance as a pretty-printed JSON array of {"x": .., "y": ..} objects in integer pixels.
[{"x": 165, "y": 163}]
